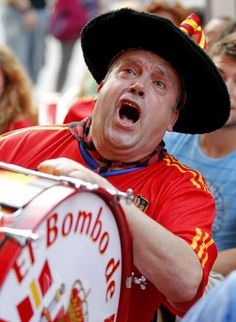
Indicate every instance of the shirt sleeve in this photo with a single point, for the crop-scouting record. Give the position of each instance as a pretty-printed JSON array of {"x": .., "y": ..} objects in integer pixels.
[{"x": 187, "y": 208}]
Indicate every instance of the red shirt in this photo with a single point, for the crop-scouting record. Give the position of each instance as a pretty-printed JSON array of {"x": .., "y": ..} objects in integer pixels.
[{"x": 169, "y": 192}]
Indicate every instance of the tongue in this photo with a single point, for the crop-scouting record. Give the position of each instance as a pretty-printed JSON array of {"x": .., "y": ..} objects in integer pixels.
[{"x": 126, "y": 119}]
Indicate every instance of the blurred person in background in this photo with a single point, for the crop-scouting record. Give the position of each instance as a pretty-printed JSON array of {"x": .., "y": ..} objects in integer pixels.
[
  {"x": 214, "y": 27},
  {"x": 16, "y": 109},
  {"x": 174, "y": 11},
  {"x": 228, "y": 29},
  {"x": 25, "y": 24},
  {"x": 66, "y": 21}
]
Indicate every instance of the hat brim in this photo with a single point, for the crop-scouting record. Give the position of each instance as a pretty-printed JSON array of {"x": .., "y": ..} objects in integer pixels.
[{"x": 207, "y": 104}]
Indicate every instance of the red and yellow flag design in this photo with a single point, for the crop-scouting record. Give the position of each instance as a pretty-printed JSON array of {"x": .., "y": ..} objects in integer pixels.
[
  {"x": 200, "y": 243},
  {"x": 192, "y": 27},
  {"x": 38, "y": 290},
  {"x": 196, "y": 177}
]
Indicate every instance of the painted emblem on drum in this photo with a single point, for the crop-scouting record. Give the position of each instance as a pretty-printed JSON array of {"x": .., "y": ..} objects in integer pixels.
[
  {"x": 141, "y": 202},
  {"x": 77, "y": 310}
]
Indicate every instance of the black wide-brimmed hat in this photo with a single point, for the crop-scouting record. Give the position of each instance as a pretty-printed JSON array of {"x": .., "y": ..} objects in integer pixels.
[{"x": 207, "y": 104}]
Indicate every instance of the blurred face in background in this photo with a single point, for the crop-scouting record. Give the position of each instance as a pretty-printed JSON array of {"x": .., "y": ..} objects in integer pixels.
[
  {"x": 227, "y": 68},
  {"x": 213, "y": 29}
]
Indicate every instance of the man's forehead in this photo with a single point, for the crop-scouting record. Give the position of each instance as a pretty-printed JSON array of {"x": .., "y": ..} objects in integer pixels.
[{"x": 138, "y": 55}]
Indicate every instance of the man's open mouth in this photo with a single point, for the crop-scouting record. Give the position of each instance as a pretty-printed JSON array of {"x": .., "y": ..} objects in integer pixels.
[{"x": 129, "y": 112}]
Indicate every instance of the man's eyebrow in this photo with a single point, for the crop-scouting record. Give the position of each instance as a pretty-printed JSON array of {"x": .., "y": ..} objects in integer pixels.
[
  {"x": 162, "y": 69},
  {"x": 136, "y": 61}
]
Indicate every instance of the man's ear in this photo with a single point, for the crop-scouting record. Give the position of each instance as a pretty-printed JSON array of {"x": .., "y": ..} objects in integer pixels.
[
  {"x": 98, "y": 90},
  {"x": 173, "y": 119}
]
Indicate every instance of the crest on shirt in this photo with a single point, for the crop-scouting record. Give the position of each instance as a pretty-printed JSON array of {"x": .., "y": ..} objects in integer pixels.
[{"x": 141, "y": 202}]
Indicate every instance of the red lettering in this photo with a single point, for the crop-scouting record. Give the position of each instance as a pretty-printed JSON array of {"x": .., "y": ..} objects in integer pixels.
[
  {"x": 67, "y": 224},
  {"x": 52, "y": 230},
  {"x": 110, "y": 318},
  {"x": 98, "y": 226},
  {"x": 110, "y": 290},
  {"x": 19, "y": 269},
  {"x": 105, "y": 239},
  {"x": 84, "y": 216},
  {"x": 23, "y": 263},
  {"x": 31, "y": 253},
  {"x": 110, "y": 270}
]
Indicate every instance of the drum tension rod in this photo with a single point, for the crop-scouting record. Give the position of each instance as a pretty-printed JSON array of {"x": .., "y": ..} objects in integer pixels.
[
  {"x": 141, "y": 281},
  {"x": 127, "y": 196},
  {"x": 9, "y": 216},
  {"x": 22, "y": 236}
]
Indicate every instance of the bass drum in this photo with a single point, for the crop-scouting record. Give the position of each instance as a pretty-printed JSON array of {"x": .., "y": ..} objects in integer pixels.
[{"x": 65, "y": 249}]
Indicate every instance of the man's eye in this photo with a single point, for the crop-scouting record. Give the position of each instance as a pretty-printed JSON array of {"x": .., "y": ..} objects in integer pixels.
[
  {"x": 129, "y": 71},
  {"x": 160, "y": 84}
]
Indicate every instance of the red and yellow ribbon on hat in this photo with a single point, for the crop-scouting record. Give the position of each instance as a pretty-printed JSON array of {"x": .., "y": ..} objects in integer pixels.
[{"x": 192, "y": 27}]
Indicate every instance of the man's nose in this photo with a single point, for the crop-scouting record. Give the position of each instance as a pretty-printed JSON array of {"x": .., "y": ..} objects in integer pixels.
[{"x": 137, "y": 88}]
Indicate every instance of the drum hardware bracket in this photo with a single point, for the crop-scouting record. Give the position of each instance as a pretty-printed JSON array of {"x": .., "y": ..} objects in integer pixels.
[
  {"x": 141, "y": 281},
  {"x": 127, "y": 196},
  {"x": 13, "y": 215},
  {"x": 22, "y": 236}
]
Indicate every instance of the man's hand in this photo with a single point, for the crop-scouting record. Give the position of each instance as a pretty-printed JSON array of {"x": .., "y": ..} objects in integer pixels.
[{"x": 70, "y": 168}]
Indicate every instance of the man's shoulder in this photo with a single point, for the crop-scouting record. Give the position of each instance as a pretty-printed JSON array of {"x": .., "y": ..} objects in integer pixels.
[
  {"x": 181, "y": 173},
  {"x": 33, "y": 131},
  {"x": 30, "y": 146}
]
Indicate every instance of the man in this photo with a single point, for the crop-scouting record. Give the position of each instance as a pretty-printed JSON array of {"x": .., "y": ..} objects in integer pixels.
[
  {"x": 214, "y": 155},
  {"x": 145, "y": 88}
]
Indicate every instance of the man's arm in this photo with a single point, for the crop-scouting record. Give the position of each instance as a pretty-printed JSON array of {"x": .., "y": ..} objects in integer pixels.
[{"x": 162, "y": 257}]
